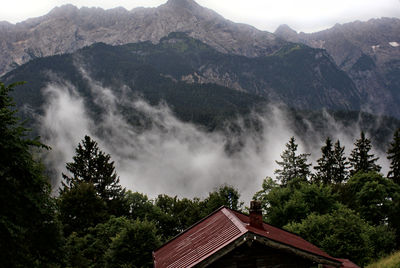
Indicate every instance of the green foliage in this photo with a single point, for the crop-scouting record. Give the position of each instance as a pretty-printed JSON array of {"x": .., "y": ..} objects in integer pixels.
[
  {"x": 89, "y": 248},
  {"x": 292, "y": 165},
  {"x": 225, "y": 195},
  {"x": 331, "y": 167},
  {"x": 91, "y": 165},
  {"x": 174, "y": 215},
  {"x": 344, "y": 233},
  {"x": 140, "y": 207},
  {"x": 340, "y": 168},
  {"x": 360, "y": 158},
  {"x": 391, "y": 261},
  {"x": 293, "y": 203},
  {"x": 30, "y": 234},
  {"x": 393, "y": 154},
  {"x": 81, "y": 208},
  {"x": 155, "y": 71},
  {"x": 375, "y": 197},
  {"x": 92, "y": 193},
  {"x": 119, "y": 242},
  {"x": 133, "y": 246}
]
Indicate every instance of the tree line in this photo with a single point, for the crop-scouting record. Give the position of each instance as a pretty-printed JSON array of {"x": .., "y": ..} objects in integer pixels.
[{"x": 346, "y": 206}]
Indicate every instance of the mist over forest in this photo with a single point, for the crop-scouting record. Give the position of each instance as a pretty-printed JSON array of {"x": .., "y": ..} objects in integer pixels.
[
  {"x": 175, "y": 157},
  {"x": 132, "y": 126}
]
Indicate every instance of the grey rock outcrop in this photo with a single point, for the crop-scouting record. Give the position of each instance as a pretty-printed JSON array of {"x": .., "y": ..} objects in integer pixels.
[
  {"x": 66, "y": 29},
  {"x": 369, "y": 52}
]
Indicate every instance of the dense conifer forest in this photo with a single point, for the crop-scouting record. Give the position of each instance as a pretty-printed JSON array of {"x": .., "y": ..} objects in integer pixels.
[{"x": 342, "y": 204}]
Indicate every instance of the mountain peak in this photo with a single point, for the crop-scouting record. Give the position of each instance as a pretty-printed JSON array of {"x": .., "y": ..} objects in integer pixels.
[
  {"x": 64, "y": 10},
  {"x": 287, "y": 33},
  {"x": 182, "y": 3},
  {"x": 284, "y": 28}
]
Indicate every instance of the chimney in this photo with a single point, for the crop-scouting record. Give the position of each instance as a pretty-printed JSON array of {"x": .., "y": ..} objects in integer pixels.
[{"x": 256, "y": 218}]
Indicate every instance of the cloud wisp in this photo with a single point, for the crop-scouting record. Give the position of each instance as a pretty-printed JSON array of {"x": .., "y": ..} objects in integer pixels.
[{"x": 170, "y": 156}]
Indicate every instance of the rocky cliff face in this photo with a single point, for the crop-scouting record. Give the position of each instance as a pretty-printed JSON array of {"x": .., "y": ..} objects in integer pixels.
[
  {"x": 66, "y": 29},
  {"x": 297, "y": 75},
  {"x": 370, "y": 54}
]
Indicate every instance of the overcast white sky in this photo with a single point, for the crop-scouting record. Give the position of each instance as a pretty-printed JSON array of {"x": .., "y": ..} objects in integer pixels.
[{"x": 301, "y": 15}]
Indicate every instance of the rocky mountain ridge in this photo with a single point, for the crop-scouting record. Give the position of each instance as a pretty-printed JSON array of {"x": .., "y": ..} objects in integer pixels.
[
  {"x": 369, "y": 52},
  {"x": 66, "y": 29},
  {"x": 297, "y": 75}
]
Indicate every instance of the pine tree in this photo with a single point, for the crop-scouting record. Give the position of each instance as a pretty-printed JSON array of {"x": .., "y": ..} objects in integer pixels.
[
  {"x": 29, "y": 232},
  {"x": 325, "y": 165},
  {"x": 393, "y": 154},
  {"x": 332, "y": 166},
  {"x": 292, "y": 165},
  {"x": 91, "y": 165},
  {"x": 360, "y": 159},
  {"x": 340, "y": 170}
]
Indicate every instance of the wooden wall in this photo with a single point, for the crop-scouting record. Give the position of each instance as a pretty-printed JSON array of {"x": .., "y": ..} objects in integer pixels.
[{"x": 256, "y": 255}]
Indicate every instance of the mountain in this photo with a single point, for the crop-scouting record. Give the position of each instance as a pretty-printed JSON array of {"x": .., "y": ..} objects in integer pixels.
[
  {"x": 369, "y": 52},
  {"x": 202, "y": 85},
  {"x": 67, "y": 28},
  {"x": 297, "y": 75}
]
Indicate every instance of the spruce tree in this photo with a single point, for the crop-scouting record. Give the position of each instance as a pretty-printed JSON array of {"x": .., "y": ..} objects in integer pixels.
[
  {"x": 393, "y": 154},
  {"x": 332, "y": 166},
  {"x": 325, "y": 165},
  {"x": 340, "y": 170},
  {"x": 91, "y": 165},
  {"x": 29, "y": 231},
  {"x": 292, "y": 165},
  {"x": 360, "y": 158}
]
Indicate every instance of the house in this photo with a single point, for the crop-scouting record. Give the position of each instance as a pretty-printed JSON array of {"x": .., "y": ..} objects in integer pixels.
[{"x": 227, "y": 238}]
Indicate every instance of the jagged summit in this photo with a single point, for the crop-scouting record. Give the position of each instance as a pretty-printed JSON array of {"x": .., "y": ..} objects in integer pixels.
[
  {"x": 287, "y": 33},
  {"x": 182, "y": 3},
  {"x": 284, "y": 28},
  {"x": 67, "y": 28},
  {"x": 64, "y": 10},
  {"x": 5, "y": 25}
]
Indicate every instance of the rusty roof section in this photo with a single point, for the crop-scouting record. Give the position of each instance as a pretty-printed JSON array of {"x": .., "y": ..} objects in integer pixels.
[
  {"x": 283, "y": 237},
  {"x": 216, "y": 231},
  {"x": 346, "y": 263}
]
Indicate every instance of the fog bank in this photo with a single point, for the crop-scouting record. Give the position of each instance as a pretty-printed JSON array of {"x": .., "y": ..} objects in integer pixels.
[{"x": 170, "y": 156}]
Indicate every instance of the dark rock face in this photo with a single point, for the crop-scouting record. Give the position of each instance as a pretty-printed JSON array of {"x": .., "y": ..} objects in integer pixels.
[
  {"x": 369, "y": 52},
  {"x": 297, "y": 75}
]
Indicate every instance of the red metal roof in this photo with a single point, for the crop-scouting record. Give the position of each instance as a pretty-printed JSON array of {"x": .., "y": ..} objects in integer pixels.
[
  {"x": 283, "y": 237},
  {"x": 215, "y": 232},
  {"x": 348, "y": 264}
]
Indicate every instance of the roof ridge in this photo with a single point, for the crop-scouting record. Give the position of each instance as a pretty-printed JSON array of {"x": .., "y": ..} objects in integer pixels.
[
  {"x": 190, "y": 227},
  {"x": 235, "y": 220}
]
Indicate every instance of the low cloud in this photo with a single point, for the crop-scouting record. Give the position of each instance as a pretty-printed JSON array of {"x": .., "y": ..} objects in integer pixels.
[{"x": 171, "y": 156}]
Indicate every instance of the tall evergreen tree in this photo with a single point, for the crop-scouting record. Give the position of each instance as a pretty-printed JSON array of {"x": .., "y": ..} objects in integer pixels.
[
  {"x": 360, "y": 158},
  {"x": 332, "y": 166},
  {"x": 325, "y": 165},
  {"x": 292, "y": 165},
  {"x": 91, "y": 165},
  {"x": 393, "y": 154},
  {"x": 340, "y": 171},
  {"x": 29, "y": 232}
]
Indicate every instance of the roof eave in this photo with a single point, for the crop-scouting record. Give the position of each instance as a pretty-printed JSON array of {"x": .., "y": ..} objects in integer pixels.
[{"x": 250, "y": 237}]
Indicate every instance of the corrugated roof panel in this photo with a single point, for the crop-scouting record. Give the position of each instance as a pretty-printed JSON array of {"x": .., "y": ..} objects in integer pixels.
[
  {"x": 283, "y": 237},
  {"x": 215, "y": 232},
  {"x": 198, "y": 242}
]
